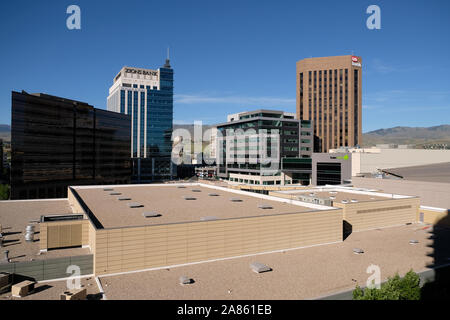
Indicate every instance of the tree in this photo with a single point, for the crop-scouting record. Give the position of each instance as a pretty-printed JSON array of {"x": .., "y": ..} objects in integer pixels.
[
  {"x": 396, "y": 288},
  {"x": 4, "y": 192}
]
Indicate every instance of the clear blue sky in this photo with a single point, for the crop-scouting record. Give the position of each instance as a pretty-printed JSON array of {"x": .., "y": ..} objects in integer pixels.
[{"x": 231, "y": 56}]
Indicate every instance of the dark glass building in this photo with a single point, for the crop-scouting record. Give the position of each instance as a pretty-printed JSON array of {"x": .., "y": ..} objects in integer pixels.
[{"x": 58, "y": 142}]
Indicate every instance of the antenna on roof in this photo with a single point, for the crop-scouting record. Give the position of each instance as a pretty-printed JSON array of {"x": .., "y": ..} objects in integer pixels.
[{"x": 167, "y": 64}]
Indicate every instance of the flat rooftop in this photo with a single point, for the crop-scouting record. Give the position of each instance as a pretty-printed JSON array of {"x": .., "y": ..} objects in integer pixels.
[
  {"x": 168, "y": 200},
  {"x": 51, "y": 290},
  {"x": 437, "y": 172},
  {"x": 15, "y": 215},
  {"x": 340, "y": 193},
  {"x": 305, "y": 273}
]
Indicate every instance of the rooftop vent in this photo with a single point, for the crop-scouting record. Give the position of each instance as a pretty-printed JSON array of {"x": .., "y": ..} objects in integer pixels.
[
  {"x": 123, "y": 198},
  {"x": 209, "y": 218},
  {"x": 344, "y": 201},
  {"x": 151, "y": 214},
  {"x": 213, "y": 194},
  {"x": 413, "y": 241},
  {"x": 115, "y": 193},
  {"x": 353, "y": 200},
  {"x": 358, "y": 251},
  {"x": 135, "y": 205},
  {"x": 108, "y": 189},
  {"x": 265, "y": 206},
  {"x": 196, "y": 190},
  {"x": 235, "y": 200},
  {"x": 185, "y": 280},
  {"x": 189, "y": 198},
  {"x": 259, "y": 267}
]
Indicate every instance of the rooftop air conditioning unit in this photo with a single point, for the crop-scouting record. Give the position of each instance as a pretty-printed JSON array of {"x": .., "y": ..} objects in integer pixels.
[
  {"x": 213, "y": 194},
  {"x": 185, "y": 280},
  {"x": 259, "y": 267},
  {"x": 353, "y": 200},
  {"x": 358, "y": 251},
  {"x": 413, "y": 241},
  {"x": 151, "y": 214},
  {"x": 344, "y": 201},
  {"x": 134, "y": 205},
  {"x": 209, "y": 218}
]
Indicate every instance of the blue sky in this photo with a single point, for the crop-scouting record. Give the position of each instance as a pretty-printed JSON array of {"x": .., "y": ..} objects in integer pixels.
[{"x": 231, "y": 56}]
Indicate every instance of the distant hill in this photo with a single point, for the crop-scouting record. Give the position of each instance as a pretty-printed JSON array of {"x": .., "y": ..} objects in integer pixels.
[
  {"x": 5, "y": 132},
  {"x": 417, "y": 136}
]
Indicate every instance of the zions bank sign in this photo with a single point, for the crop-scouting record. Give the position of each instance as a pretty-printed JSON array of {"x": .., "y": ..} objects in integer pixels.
[{"x": 143, "y": 72}]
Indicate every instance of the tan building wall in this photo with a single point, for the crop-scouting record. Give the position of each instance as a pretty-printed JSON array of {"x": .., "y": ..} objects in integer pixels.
[
  {"x": 128, "y": 249},
  {"x": 368, "y": 162},
  {"x": 327, "y": 121},
  {"x": 378, "y": 214},
  {"x": 435, "y": 216},
  {"x": 60, "y": 234}
]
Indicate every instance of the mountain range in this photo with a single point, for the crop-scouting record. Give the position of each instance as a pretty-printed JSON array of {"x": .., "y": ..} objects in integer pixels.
[{"x": 417, "y": 136}]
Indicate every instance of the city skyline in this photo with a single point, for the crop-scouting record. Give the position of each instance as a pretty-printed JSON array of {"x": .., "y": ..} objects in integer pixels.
[{"x": 222, "y": 61}]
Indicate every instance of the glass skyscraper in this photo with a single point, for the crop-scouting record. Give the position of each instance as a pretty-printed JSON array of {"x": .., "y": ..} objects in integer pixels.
[{"x": 147, "y": 96}]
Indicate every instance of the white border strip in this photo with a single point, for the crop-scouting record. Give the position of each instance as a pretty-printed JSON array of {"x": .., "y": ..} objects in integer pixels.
[
  {"x": 65, "y": 279},
  {"x": 434, "y": 209},
  {"x": 100, "y": 288}
]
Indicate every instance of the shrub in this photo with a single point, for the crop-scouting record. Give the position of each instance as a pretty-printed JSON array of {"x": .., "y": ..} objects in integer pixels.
[{"x": 396, "y": 288}]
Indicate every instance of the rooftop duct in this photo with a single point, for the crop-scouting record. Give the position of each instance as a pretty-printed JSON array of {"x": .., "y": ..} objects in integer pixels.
[
  {"x": 181, "y": 187},
  {"x": 189, "y": 198},
  {"x": 123, "y": 198},
  {"x": 108, "y": 189},
  {"x": 151, "y": 214},
  {"x": 265, "y": 206},
  {"x": 259, "y": 267},
  {"x": 134, "y": 205},
  {"x": 196, "y": 190},
  {"x": 115, "y": 193},
  {"x": 185, "y": 280},
  {"x": 209, "y": 218},
  {"x": 235, "y": 200}
]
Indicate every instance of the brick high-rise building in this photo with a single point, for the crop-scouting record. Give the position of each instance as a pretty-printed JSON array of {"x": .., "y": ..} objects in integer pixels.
[{"x": 329, "y": 94}]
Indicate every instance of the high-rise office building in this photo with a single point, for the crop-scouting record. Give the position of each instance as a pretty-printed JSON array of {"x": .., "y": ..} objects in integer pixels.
[
  {"x": 329, "y": 93},
  {"x": 58, "y": 142},
  {"x": 265, "y": 147},
  {"x": 147, "y": 96}
]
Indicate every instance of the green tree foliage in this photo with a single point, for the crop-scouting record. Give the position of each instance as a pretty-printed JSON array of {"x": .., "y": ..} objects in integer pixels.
[
  {"x": 396, "y": 288},
  {"x": 4, "y": 192}
]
